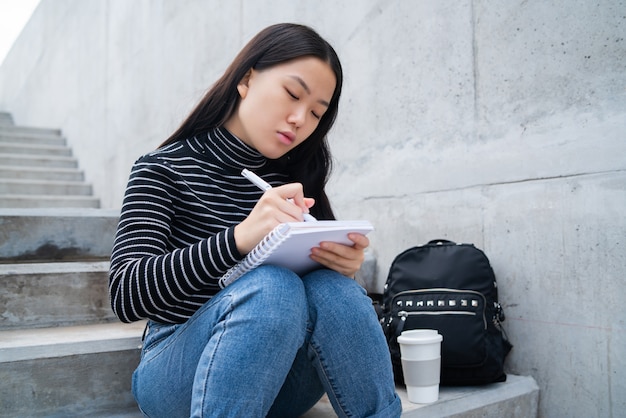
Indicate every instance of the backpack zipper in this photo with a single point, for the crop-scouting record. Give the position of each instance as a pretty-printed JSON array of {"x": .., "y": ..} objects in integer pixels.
[{"x": 403, "y": 314}]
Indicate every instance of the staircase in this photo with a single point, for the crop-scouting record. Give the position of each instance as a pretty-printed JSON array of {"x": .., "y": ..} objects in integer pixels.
[
  {"x": 37, "y": 169},
  {"x": 62, "y": 352}
]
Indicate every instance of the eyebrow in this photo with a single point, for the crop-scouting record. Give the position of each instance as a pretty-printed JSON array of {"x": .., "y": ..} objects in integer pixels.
[{"x": 307, "y": 89}]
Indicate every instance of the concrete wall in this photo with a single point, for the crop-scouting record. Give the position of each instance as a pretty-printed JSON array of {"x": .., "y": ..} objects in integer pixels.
[{"x": 497, "y": 123}]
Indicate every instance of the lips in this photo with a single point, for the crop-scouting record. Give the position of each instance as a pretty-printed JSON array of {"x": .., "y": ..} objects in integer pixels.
[{"x": 287, "y": 137}]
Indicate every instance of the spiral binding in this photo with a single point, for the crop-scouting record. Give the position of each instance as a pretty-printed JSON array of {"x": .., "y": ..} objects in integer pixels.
[{"x": 257, "y": 256}]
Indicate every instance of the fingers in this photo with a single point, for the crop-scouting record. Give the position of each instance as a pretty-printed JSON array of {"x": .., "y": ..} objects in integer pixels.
[
  {"x": 282, "y": 204},
  {"x": 344, "y": 259},
  {"x": 360, "y": 241},
  {"x": 294, "y": 194},
  {"x": 277, "y": 205}
]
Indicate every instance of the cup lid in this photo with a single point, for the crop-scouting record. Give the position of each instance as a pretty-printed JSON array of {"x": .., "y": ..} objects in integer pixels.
[{"x": 420, "y": 336}]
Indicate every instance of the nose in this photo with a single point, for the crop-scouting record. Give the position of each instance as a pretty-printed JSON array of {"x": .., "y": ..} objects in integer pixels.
[{"x": 297, "y": 116}]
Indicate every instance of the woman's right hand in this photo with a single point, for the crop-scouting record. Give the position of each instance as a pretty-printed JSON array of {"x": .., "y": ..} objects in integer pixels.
[{"x": 272, "y": 209}]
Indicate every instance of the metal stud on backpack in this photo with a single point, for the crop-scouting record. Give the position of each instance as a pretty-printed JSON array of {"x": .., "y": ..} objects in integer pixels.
[{"x": 451, "y": 288}]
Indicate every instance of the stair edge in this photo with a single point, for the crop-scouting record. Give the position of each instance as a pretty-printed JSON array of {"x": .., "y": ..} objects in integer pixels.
[{"x": 42, "y": 343}]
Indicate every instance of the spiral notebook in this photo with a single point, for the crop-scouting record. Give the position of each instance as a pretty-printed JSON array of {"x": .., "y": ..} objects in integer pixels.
[{"x": 289, "y": 245}]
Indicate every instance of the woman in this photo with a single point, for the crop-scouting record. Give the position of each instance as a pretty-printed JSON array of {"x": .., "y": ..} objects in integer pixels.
[{"x": 271, "y": 343}]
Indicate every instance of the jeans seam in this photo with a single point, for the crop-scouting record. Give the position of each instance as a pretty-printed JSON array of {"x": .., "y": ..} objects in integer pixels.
[
  {"x": 215, "y": 349},
  {"x": 330, "y": 382}
]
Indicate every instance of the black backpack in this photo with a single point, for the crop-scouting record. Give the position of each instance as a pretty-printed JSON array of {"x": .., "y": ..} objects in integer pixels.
[{"x": 451, "y": 288}]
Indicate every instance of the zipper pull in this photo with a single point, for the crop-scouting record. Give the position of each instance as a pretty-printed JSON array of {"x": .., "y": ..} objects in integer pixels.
[
  {"x": 402, "y": 322},
  {"x": 499, "y": 312}
]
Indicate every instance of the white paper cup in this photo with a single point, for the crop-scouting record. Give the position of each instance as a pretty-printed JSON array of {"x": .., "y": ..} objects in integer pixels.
[{"x": 420, "y": 352}]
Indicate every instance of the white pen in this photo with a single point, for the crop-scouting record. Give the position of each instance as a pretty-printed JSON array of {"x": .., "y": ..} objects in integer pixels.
[{"x": 263, "y": 185}]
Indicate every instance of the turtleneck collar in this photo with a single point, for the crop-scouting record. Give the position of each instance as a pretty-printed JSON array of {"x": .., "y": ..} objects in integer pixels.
[{"x": 230, "y": 150}]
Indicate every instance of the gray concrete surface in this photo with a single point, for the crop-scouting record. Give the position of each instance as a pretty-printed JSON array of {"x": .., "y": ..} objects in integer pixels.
[
  {"x": 518, "y": 397},
  {"x": 497, "y": 123},
  {"x": 61, "y": 373},
  {"x": 56, "y": 234},
  {"x": 54, "y": 294},
  {"x": 38, "y": 170}
]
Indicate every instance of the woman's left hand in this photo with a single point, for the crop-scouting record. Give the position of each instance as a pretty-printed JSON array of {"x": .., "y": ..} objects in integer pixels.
[{"x": 343, "y": 259}]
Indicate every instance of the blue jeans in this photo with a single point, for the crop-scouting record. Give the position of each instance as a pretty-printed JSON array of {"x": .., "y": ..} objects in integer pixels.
[{"x": 270, "y": 344}]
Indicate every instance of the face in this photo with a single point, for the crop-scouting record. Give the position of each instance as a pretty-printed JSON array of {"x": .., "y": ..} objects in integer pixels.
[{"x": 281, "y": 106}]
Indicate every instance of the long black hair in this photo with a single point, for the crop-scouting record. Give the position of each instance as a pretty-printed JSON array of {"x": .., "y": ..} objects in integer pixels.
[{"x": 310, "y": 162}]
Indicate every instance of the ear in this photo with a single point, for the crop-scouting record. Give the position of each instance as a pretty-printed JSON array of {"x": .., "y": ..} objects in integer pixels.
[{"x": 243, "y": 85}]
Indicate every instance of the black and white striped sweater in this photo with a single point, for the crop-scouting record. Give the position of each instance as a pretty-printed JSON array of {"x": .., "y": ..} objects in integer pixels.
[{"x": 175, "y": 237}]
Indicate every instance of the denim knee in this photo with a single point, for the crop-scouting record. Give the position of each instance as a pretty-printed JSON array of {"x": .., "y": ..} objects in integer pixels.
[
  {"x": 277, "y": 294},
  {"x": 330, "y": 293}
]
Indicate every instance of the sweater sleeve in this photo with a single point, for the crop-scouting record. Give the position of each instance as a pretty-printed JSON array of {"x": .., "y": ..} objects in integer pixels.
[{"x": 148, "y": 278}]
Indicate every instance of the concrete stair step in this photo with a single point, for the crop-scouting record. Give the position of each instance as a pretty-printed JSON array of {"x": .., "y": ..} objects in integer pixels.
[
  {"x": 58, "y": 342},
  {"x": 56, "y": 234},
  {"x": 41, "y": 201},
  {"x": 34, "y": 173},
  {"x": 34, "y": 139},
  {"x": 518, "y": 397},
  {"x": 68, "y": 371},
  {"x": 22, "y": 160},
  {"x": 34, "y": 149},
  {"x": 13, "y": 131},
  {"x": 44, "y": 187},
  {"x": 41, "y": 295}
]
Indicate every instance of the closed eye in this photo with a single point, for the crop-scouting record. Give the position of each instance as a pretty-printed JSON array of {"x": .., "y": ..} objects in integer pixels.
[{"x": 293, "y": 96}]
